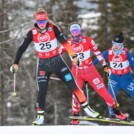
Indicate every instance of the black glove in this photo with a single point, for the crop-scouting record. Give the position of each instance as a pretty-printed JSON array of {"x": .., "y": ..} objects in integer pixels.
[
  {"x": 106, "y": 70},
  {"x": 76, "y": 60}
]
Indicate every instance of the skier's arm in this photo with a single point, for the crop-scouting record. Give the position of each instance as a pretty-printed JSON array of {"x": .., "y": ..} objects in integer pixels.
[
  {"x": 23, "y": 47},
  {"x": 130, "y": 59},
  {"x": 21, "y": 50},
  {"x": 105, "y": 55},
  {"x": 62, "y": 50},
  {"x": 97, "y": 53}
]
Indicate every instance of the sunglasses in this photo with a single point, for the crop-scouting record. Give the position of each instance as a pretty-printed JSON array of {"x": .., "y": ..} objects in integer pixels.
[
  {"x": 75, "y": 32},
  {"x": 116, "y": 43},
  {"x": 41, "y": 22}
]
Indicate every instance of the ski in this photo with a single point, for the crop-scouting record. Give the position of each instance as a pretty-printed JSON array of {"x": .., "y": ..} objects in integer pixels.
[{"x": 103, "y": 119}]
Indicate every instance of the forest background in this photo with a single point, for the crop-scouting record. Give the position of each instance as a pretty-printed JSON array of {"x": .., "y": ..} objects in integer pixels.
[{"x": 100, "y": 19}]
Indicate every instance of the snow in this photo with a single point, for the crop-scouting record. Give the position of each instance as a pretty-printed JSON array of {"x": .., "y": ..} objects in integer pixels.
[{"x": 66, "y": 129}]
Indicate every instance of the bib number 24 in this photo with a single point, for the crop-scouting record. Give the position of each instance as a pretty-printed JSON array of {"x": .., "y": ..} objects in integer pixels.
[{"x": 117, "y": 65}]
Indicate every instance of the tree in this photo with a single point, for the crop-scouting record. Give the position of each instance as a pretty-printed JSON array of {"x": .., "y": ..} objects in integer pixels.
[
  {"x": 4, "y": 56},
  {"x": 9, "y": 39}
]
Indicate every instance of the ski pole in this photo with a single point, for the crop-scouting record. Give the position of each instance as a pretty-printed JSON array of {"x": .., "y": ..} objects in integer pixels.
[
  {"x": 113, "y": 91},
  {"x": 76, "y": 74},
  {"x": 14, "y": 84},
  {"x": 87, "y": 91}
]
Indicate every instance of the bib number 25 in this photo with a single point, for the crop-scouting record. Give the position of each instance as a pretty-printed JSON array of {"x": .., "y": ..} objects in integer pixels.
[{"x": 45, "y": 46}]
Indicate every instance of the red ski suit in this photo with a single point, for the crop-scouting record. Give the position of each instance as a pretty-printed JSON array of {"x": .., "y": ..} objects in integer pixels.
[{"x": 87, "y": 72}]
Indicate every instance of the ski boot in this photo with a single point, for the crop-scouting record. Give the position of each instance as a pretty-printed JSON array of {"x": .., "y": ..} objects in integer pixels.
[
  {"x": 39, "y": 120},
  {"x": 75, "y": 121},
  {"x": 118, "y": 113},
  {"x": 90, "y": 112}
]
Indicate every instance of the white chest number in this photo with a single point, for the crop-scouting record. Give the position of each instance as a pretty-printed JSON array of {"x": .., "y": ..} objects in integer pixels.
[
  {"x": 45, "y": 46},
  {"x": 80, "y": 55},
  {"x": 117, "y": 65}
]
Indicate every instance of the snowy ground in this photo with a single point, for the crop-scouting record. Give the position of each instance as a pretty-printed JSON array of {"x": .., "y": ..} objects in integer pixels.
[{"x": 67, "y": 130}]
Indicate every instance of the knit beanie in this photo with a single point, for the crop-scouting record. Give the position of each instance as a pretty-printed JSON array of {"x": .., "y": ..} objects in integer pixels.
[{"x": 118, "y": 38}]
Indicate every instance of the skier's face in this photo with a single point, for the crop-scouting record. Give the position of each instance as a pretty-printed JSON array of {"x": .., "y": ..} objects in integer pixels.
[
  {"x": 76, "y": 35},
  {"x": 41, "y": 23},
  {"x": 116, "y": 47},
  {"x": 75, "y": 32}
]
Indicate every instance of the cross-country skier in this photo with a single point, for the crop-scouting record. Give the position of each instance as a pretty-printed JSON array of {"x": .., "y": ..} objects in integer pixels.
[
  {"x": 82, "y": 45},
  {"x": 45, "y": 36},
  {"x": 121, "y": 62}
]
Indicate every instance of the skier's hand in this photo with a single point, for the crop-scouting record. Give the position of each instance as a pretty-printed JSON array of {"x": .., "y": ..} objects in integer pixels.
[
  {"x": 106, "y": 70},
  {"x": 76, "y": 60},
  {"x": 14, "y": 68}
]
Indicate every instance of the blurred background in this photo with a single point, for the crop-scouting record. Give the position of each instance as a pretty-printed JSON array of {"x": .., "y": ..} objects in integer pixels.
[{"x": 100, "y": 19}]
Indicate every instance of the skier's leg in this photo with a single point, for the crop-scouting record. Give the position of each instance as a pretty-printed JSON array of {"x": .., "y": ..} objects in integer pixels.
[
  {"x": 95, "y": 80},
  {"x": 68, "y": 79},
  {"x": 98, "y": 85},
  {"x": 113, "y": 90},
  {"x": 128, "y": 86},
  {"x": 113, "y": 87},
  {"x": 42, "y": 78},
  {"x": 75, "y": 103}
]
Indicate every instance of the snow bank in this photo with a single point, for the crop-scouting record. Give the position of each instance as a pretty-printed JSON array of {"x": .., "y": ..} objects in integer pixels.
[{"x": 67, "y": 130}]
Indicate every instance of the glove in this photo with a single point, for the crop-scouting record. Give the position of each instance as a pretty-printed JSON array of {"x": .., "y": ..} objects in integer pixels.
[
  {"x": 106, "y": 70},
  {"x": 76, "y": 60},
  {"x": 14, "y": 68}
]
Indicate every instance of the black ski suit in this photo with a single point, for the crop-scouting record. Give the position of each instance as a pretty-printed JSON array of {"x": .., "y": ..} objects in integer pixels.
[{"x": 47, "y": 66}]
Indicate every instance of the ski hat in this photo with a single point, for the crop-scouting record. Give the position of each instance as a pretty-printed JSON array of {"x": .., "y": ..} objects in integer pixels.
[
  {"x": 118, "y": 39},
  {"x": 75, "y": 31},
  {"x": 75, "y": 26},
  {"x": 40, "y": 14}
]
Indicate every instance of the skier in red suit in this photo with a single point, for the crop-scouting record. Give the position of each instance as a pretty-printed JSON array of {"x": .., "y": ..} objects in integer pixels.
[{"x": 83, "y": 45}]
